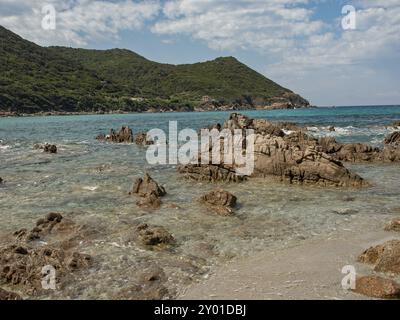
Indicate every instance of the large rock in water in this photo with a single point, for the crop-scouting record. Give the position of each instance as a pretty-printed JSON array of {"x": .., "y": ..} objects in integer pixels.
[
  {"x": 148, "y": 191},
  {"x": 393, "y": 139},
  {"x": 141, "y": 139},
  {"x": 294, "y": 157},
  {"x": 377, "y": 287},
  {"x": 384, "y": 257},
  {"x": 124, "y": 135},
  {"x": 220, "y": 201}
]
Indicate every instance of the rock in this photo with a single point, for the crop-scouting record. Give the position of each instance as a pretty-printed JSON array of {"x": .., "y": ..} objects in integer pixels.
[
  {"x": 222, "y": 202},
  {"x": 6, "y": 295},
  {"x": 147, "y": 186},
  {"x": 394, "y": 225},
  {"x": 332, "y": 129},
  {"x": 21, "y": 260},
  {"x": 149, "y": 201},
  {"x": 385, "y": 257},
  {"x": 49, "y": 148},
  {"x": 124, "y": 135},
  {"x": 142, "y": 140},
  {"x": 294, "y": 158},
  {"x": 377, "y": 287},
  {"x": 210, "y": 173},
  {"x": 154, "y": 236},
  {"x": 393, "y": 139},
  {"x": 1, "y": 180}
]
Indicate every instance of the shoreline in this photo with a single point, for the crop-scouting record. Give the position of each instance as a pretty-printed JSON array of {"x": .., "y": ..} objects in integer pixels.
[{"x": 310, "y": 270}]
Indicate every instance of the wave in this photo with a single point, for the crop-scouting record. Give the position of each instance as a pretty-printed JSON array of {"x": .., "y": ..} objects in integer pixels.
[{"x": 351, "y": 131}]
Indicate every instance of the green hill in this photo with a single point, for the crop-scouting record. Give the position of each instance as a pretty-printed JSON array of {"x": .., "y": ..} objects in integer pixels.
[{"x": 36, "y": 79}]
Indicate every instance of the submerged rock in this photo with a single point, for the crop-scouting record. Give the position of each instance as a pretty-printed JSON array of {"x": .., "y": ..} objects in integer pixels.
[
  {"x": 154, "y": 236},
  {"x": 384, "y": 257},
  {"x": 220, "y": 201},
  {"x": 394, "y": 225},
  {"x": 6, "y": 295},
  {"x": 124, "y": 135},
  {"x": 377, "y": 287},
  {"x": 210, "y": 173}
]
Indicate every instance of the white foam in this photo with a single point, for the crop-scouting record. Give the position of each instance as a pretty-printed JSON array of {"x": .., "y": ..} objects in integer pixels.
[{"x": 89, "y": 188}]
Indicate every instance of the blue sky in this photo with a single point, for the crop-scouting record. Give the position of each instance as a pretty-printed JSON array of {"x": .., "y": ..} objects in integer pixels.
[{"x": 300, "y": 44}]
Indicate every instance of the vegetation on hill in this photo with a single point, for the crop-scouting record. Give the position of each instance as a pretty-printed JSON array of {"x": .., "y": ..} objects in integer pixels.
[{"x": 36, "y": 79}]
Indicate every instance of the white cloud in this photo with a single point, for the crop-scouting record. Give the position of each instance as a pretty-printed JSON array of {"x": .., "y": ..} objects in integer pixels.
[{"x": 78, "y": 21}]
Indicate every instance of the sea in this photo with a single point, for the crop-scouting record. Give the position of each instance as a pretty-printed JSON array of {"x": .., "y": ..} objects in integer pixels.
[{"x": 89, "y": 181}]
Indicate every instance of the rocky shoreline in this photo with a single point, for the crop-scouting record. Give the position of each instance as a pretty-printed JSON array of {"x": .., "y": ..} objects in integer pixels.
[{"x": 284, "y": 152}]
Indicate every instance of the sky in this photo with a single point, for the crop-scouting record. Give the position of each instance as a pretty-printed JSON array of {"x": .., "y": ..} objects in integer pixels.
[{"x": 300, "y": 44}]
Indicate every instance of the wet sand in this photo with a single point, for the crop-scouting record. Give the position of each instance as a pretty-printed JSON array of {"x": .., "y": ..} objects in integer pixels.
[{"x": 308, "y": 271}]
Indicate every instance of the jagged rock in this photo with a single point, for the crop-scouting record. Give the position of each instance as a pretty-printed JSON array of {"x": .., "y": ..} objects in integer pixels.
[
  {"x": 393, "y": 139},
  {"x": 6, "y": 295},
  {"x": 154, "y": 236},
  {"x": 141, "y": 139},
  {"x": 49, "y": 148},
  {"x": 377, "y": 287},
  {"x": 147, "y": 186},
  {"x": 124, "y": 135},
  {"x": 384, "y": 257},
  {"x": 222, "y": 202},
  {"x": 394, "y": 225},
  {"x": 295, "y": 158}
]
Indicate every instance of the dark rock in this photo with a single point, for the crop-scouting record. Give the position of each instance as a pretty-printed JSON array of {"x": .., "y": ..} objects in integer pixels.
[
  {"x": 147, "y": 186},
  {"x": 124, "y": 135},
  {"x": 385, "y": 257},
  {"x": 220, "y": 201},
  {"x": 210, "y": 173},
  {"x": 6, "y": 295},
  {"x": 1, "y": 180},
  {"x": 142, "y": 140},
  {"x": 377, "y": 287},
  {"x": 48, "y": 148},
  {"x": 332, "y": 129},
  {"x": 154, "y": 236}
]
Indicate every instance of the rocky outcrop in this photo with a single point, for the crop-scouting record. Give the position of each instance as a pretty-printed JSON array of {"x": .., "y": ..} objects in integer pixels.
[
  {"x": 148, "y": 191},
  {"x": 377, "y": 287},
  {"x": 48, "y": 148},
  {"x": 22, "y": 259},
  {"x": 153, "y": 236},
  {"x": 220, "y": 201},
  {"x": 141, "y": 139},
  {"x": 396, "y": 124},
  {"x": 6, "y": 295},
  {"x": 358, "y": 152},
  {"x": 394, "y": 225},
  {"x": 124, "y": 135},
  {"x": 384, "y": 258},
  {"x": 294, "y": 158}
]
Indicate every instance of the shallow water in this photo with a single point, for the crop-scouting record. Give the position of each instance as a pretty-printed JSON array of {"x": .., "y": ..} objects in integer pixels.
[{"x": 90, "y": 180}]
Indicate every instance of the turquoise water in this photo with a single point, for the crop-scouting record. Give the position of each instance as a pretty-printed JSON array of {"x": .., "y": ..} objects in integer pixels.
[{"x": 90, "y": 180}]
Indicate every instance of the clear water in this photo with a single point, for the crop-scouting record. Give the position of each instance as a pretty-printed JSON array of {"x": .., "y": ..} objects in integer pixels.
[{"x": 271, "y": 215}]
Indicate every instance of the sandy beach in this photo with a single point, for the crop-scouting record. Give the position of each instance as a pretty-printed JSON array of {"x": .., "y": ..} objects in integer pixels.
[{"x": 308, "y": 271}]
